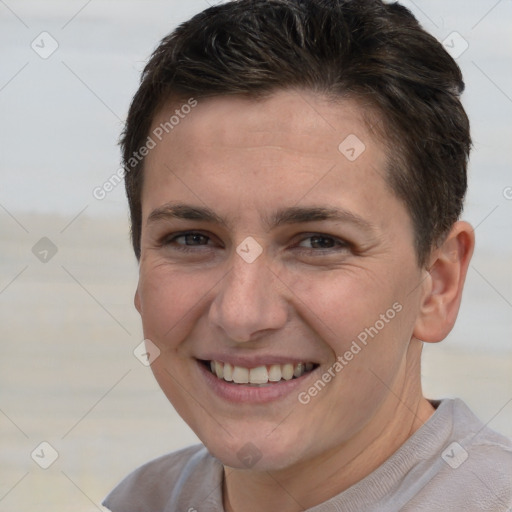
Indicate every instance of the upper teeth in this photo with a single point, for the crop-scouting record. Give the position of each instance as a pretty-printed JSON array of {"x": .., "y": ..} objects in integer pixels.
[{"x": 260, "y": 374}]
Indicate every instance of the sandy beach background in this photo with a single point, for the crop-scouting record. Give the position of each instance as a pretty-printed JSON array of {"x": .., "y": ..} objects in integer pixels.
[{"x": 68, "y": 376}]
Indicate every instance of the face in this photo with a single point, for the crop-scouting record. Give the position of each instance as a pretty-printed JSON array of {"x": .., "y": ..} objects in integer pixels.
[{"x": 272, "y": 245}]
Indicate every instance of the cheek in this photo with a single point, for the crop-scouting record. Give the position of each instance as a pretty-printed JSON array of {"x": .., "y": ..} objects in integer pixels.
[
  {"x": 341, "y": 304},
  {"x": 170, "y": 302},
  {"x": 364, "y": 320}
]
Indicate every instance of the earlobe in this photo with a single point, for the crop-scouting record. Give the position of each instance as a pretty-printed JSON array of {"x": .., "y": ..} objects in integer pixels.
[{"x": 443, "y": 291}]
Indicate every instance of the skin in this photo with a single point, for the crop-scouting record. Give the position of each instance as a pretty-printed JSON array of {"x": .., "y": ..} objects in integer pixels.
[{"x": 245, "y": 159}]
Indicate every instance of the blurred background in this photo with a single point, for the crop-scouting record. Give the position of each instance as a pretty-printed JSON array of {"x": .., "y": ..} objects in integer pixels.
[{"x": 68, "y": 373}]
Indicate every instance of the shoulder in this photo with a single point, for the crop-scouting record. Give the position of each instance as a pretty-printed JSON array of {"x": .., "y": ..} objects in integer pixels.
[
  {"x": 474, "y": 468},
  {"x": 476, "y": 437},
  {"x": 166, "y": 482},
  {"x": 487, "y": 456}
]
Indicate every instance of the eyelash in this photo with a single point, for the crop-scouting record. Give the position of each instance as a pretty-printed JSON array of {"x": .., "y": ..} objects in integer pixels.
[
  {"x": 168, "y": 240},
  {"x": 341, "y": 244},
  {"x": 338, "y": 244}
]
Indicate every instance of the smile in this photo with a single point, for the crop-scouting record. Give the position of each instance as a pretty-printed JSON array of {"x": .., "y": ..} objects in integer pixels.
[{"x": 260, "y": 376}]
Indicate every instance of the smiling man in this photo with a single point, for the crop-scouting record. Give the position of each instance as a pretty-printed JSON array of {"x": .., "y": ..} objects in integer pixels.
[{"x": 296, "y": 221}]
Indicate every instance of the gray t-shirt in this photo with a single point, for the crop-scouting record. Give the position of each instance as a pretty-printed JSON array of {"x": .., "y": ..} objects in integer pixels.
[{"x": 452, "y": 463}]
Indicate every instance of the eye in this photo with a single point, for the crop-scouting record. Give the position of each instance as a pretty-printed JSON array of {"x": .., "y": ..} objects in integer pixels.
[
  {"x": 186, "y": 241},
  {"x": 319, "y": 242},
  {"x": 191, "y": 239}
]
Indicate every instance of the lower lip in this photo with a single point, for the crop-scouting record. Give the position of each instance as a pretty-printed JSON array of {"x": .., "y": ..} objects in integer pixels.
[{"x": 238, "y": 393}]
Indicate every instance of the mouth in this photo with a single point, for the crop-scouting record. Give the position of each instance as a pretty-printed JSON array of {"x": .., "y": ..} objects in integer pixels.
[{"x": 259, "y": 376}]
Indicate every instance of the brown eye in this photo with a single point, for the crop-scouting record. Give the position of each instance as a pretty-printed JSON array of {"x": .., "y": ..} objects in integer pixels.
[
  {"x": 322, "y": 242},
  {"x": 193, "y": 239},
  {"x": 186, "y": 241}
]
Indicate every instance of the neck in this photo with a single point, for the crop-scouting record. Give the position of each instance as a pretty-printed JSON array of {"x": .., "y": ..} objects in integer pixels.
[{"x": 309, "y": 483}]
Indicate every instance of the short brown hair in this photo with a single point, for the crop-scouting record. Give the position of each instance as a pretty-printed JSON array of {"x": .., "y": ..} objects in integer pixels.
[{"x": 364, "y": 49}]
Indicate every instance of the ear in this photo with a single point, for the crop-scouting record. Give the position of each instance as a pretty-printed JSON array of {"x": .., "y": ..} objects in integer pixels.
[
  {"x": 136, "y": 301},
  {"x": 443, "y": 285}
]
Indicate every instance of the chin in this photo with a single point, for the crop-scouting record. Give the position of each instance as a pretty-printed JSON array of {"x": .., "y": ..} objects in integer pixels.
[{"x": 258, "y": 453}]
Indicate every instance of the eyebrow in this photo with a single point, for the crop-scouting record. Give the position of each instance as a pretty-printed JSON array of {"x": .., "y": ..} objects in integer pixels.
[
  {"x": 284, "y": 216},
  {"x": 184, "y": 211},
  {"x": 299, "y": 215}
]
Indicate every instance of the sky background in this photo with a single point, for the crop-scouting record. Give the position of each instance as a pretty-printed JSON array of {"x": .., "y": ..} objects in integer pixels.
[{"x": 60, "y": 119}]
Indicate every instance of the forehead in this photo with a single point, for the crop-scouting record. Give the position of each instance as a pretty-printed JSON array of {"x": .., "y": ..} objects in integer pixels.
[
  {"x": 244, "y": 155},
  {"x": 292, "y": 121}
]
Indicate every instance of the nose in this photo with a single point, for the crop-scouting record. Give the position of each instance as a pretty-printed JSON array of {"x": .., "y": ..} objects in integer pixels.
[{"x": 249, "y": 302}]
